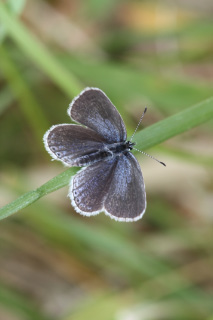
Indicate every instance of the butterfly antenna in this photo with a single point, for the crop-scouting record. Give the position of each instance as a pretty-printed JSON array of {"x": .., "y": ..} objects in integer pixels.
[
  {"x": 148, "y": 155},
  {"x": 139, "y": 123}
]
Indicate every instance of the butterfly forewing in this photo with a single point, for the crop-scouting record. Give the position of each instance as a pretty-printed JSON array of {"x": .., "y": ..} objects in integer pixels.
[
  {"x": 74, "y": 145},
  {"x": 93, "y": 109}
]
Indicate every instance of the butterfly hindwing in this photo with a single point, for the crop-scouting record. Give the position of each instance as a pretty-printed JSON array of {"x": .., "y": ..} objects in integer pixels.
[{"x": 114, "y": 186}]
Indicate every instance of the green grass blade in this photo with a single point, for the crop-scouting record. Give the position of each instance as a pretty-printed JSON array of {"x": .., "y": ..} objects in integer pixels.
[
  {"x": 146, "y": 138},
  {"x": 27, "y": 101},
  {"x": 169, "y": 93},
  {"x": 174, "y": 125},
  {"x": 6, "y": 99},
  {"x": 188, "y": 156},
  {"x": 28, "y": 198},
  {"x": 15, "y": 7},
  {"x": 36, "y": 51}
]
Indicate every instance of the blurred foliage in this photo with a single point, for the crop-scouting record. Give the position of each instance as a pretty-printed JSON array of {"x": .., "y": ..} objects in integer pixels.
[{"x": 55, "y": 264}]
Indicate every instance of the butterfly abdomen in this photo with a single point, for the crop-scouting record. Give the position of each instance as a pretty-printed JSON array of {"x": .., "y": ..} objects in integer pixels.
[
  {"x": 92, "y": 157},
  {"x": 107, "y": 152}
]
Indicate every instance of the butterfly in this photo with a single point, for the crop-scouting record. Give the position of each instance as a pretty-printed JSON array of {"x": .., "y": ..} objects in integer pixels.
[{"x": 110, "y": 179}]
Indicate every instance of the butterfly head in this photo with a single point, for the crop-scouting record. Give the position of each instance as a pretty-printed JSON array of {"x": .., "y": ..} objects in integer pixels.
[{"x": 130, "y": 145}]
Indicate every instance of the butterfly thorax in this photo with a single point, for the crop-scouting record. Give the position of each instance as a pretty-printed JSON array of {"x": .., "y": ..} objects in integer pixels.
[
  {"x": 114, "y": 149},
  {"x": 120, "y": 147}
]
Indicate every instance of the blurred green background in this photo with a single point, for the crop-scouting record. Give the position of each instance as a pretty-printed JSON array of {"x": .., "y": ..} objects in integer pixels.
[{"x": 54, "y": 263}]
